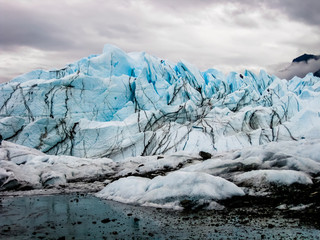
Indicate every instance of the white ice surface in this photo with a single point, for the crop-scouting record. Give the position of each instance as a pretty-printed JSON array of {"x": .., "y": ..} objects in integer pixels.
[
  {"x": 168, "y": 191},
  {"x": 300, "y": 155},
  {"x": 26, "y": 167},
  {"x": 260, "y": 178},
  {"x": 187, "y": 176}
]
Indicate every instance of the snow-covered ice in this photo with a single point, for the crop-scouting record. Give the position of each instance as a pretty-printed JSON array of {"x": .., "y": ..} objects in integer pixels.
[
  {"x": 300, "y": 156},
  {"x": 259, "y": 178},
  {"x": 169, "y": 181},
  {"x": 170, "y": 190},
  {"x": 25, "y": 168}
]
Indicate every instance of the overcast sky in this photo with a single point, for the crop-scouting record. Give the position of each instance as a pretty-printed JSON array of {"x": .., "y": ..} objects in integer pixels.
[{"x": 223, "y": 34}]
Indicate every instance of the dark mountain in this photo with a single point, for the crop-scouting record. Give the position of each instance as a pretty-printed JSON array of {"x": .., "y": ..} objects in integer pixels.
[{"x": 306, "y": 57}]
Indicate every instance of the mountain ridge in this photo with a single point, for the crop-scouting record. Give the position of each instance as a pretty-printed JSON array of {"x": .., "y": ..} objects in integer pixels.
[{"x": 306, "y": 57}]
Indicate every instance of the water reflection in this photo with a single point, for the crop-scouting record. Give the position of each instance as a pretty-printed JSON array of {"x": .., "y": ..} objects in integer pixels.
[{"x": 79, "y": 216}]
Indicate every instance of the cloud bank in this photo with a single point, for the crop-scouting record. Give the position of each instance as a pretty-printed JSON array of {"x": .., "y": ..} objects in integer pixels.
[
  {"x": 227, "y": 35},
  {"x": 299, "y": 69}
]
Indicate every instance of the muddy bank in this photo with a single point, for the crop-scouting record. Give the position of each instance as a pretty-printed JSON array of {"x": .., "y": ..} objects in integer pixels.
[
  {"x": 83, "y": 216},
  {"x": 292, "y": 202}
]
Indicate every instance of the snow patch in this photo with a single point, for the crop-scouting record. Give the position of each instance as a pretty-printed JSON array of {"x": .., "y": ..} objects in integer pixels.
[
  {"x": 170, "y": 190},
  {"x": 260, "y": 178}
]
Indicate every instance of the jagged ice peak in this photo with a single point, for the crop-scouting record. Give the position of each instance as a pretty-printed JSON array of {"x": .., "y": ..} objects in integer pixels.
[{"x": 119, "y": 105}]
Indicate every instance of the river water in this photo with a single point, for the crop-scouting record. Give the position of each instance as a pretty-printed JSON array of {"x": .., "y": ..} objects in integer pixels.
[{"x": 83, "y": 216}]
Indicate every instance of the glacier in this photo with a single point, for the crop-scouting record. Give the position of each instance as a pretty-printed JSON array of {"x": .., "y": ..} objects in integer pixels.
[
  {"x": 120, "y": 105},
  {"x": 113, "y": 119}
]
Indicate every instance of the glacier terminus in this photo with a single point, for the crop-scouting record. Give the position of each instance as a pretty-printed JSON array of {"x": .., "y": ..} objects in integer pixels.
[
  {"x": 120, "y": 105},
  {"x": 138, "y": 129}
]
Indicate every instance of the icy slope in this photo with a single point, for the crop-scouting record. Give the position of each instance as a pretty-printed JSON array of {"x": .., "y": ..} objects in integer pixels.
[
  {"x": 119, "y": 105},
  {"x": 259, "y": 170},
  {"x": 22, "y": 168},
  {"x": 172, "y": 181}
]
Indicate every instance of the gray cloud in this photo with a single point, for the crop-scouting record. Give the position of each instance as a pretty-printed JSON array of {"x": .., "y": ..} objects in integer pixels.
[
  {"x": 55, "y": 26},
  {"x": 60, "y": 27},
  {"x": 25, "y": 27},
  {"x": 306, "y": 11},
  {"x": 299, "y": 69},
  {"x": 229, "y": 34}
]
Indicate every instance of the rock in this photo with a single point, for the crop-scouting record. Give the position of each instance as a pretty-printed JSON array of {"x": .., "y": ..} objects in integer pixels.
[
  {"x": 205, "y": 155},
  {"x": 106, "y": 220}
]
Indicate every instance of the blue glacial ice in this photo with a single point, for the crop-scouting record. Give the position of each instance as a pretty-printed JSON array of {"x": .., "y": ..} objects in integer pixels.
[{"x": 119, "y": 105}]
